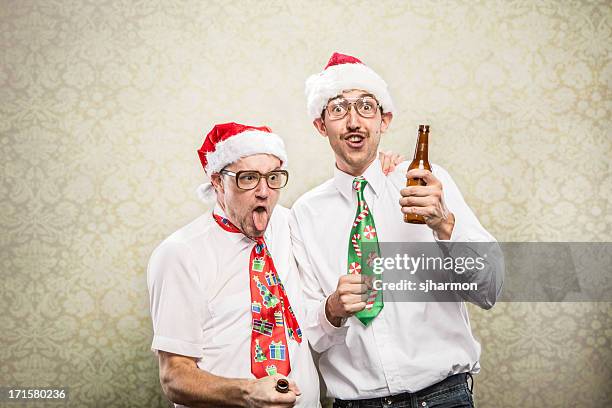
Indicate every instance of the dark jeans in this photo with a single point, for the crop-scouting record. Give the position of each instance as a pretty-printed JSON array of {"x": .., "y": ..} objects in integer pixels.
[{"x": 453, "y": 392}]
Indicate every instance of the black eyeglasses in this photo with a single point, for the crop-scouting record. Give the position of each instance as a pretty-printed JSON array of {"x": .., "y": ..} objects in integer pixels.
[{"x": 249, "y": 179}]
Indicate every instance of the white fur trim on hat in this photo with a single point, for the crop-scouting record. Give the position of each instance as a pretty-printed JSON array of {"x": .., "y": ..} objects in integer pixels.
[
  {"x": 337, "y": 78},
  {"x": 245, "y": 144},
  {"x": 206, "y": 192}
]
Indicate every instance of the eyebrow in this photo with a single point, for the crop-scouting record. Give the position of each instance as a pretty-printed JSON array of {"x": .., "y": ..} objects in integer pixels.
[
  {"x": 274, "y": 169},
  {"x": 363, "y": 95}
]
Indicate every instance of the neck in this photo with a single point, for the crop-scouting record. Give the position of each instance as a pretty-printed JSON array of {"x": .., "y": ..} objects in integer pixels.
[
  {"x": 354, "y": 171},
  {"x": 222, "y": 205},
  {"x": 227, "y": 215}
]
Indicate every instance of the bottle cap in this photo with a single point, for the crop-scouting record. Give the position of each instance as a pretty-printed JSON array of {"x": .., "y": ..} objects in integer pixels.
[{"x": 282, "y": 385}]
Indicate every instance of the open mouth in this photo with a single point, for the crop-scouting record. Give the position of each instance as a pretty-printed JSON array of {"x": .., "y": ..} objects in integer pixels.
[
  {"x": 260, "y": 217},
  {"x": 355, "y": 140}
]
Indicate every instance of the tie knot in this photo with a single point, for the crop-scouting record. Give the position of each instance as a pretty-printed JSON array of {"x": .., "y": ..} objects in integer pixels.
[
  {"x": 359, "y": 183},
  {"x": 260, "y": 245}
]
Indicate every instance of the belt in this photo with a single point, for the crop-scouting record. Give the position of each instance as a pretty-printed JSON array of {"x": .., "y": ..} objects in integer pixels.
[{"x": 448, "y": 382}]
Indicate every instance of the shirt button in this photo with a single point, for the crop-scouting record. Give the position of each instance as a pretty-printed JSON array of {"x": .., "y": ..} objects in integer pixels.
[
  {"x": 388, "y": 401},
  {"x": 424, "y": 404}
]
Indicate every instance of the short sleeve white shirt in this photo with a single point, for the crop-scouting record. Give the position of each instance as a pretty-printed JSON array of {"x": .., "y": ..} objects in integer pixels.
[{"x": 200, "y": 299}]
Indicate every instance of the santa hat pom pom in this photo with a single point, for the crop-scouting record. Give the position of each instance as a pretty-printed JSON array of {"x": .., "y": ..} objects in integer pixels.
[{"x": 206, "y": 193}]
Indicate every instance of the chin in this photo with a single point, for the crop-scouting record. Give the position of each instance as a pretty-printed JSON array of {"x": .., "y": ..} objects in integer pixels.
[
  {"x": 253, "y": 233},
  {"x": 359, "y": 161}
]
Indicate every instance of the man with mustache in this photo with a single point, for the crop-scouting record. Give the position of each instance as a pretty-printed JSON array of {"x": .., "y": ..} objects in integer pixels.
[
  {"x": 374, "y": 353},
  {"x": 224, "y": 291}
]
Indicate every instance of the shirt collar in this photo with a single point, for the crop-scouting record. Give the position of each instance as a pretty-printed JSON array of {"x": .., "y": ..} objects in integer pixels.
[
  {"x": 237, "y": 237},
  {"x": 373, "y": 174}
]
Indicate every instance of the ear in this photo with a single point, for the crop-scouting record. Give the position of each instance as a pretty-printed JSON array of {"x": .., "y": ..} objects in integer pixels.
[
  {"x": 217, "y": 182},
  {"x": 385, "y": 121},
  {"x": 320, "y": 126}
]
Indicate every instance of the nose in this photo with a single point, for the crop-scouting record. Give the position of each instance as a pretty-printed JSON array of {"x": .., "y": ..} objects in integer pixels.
[
  {"x": 262, "y": 190},
  {"x": 352, "y": 118}
]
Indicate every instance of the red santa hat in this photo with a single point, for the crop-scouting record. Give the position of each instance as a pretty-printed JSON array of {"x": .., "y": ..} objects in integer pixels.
[
  {"x": 344, "y": 72},
  {"x": 229, "y": 142}
]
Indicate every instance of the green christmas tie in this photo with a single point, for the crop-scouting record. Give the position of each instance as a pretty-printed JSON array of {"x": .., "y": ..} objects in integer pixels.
[{"x": 364, "y": 232}]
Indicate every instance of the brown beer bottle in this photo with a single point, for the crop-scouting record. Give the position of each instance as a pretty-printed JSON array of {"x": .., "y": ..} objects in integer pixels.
[{"x": 420, "y": 161}]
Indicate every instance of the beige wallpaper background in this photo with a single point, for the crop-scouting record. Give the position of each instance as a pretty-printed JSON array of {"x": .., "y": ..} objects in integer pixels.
[{"x": 103, "y": 104}]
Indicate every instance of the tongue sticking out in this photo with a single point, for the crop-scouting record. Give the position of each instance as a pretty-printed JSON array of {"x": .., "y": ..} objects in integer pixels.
[{"x": 260, "y": 218}]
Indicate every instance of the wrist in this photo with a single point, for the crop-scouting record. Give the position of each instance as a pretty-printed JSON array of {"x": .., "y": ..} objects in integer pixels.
[
  {"x": 333, "y": 319},
  {"x": 445, "y": 228},
  {"x": 246, "y": 389}
]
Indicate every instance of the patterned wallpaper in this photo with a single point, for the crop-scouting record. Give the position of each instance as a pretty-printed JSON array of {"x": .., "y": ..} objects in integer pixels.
[{"x": 103, "y": 104}]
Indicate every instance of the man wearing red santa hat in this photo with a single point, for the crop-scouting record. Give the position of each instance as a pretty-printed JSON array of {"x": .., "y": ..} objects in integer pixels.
[
  {"x": 374, "y": 353},
  {"x": 224, "y": 293}
]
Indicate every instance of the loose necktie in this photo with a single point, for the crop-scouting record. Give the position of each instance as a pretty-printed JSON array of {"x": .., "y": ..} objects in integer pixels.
[
  {"x": 364, "y": 232},
  {"x": 270, "y": 311}
]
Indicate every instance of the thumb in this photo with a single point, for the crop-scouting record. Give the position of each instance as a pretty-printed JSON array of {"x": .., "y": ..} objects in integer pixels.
[{"x": 294, "y": 387}]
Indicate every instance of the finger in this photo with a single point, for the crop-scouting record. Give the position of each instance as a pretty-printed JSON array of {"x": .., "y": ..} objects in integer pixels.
[
  {"x": 381, "y": 156},
  {"x": 431, "y": 213},
  {"x": 287, "y": 397},
  {"x": 351, "y": 279},
  {"x": 426, "y": 175},
  {"x": 284, "y": 400},
  {"x": 352, "y": 308},
  {"x": 351, "y": 299},
  {"x": 355, "y": 289},
  {"x": 398, "y": 158},
  {"x": 414, "y": 210},
  {"x": 294, "y": 387},
  {"x": 418, "y": 201},
  {"x": 279, "y": 400},
  {"x": 428, "y": 213},
  {"x": 357, "y": 307},
  {"x": 386, "y": 163},
  {"x": 420, "y": 191}
]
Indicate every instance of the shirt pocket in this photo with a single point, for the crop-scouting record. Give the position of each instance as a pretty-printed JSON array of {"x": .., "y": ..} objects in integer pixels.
[{"x": 231, "y": 318}]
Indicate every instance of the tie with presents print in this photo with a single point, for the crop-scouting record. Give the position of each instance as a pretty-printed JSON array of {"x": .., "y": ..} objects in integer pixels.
[
  {"x": 364, "y": 232},
  {"x": 270, "y": 311}
]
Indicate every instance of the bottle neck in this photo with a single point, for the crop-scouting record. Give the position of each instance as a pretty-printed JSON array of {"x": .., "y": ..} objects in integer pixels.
[{"x": 421, "y": 152}]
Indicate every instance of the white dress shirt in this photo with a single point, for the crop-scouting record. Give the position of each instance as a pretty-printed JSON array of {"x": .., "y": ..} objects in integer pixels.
[
  {"x": 409, "y": 345},
  {"x": 200, "y": 299}
]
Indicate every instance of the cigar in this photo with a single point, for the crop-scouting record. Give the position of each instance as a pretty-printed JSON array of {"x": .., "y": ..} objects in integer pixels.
[{"x": 282, "y": 386}]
